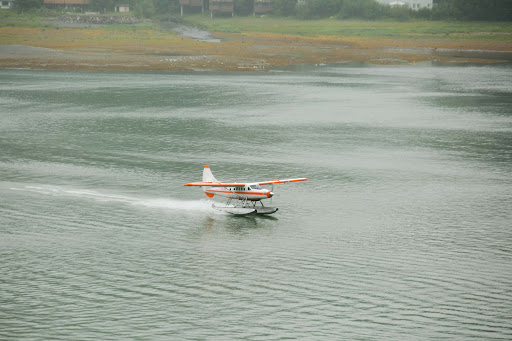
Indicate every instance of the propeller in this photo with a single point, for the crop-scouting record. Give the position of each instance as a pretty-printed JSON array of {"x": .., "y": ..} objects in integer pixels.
[{"x": 272, "y": 191}]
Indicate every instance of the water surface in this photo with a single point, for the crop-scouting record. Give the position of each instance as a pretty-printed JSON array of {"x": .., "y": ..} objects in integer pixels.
[{"x": 403, "y": 231}]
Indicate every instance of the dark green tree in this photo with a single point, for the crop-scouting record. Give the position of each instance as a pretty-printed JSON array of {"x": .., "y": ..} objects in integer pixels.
[
  {"x": 24, "y": 5},
  {"x": 424, "y": 13},
  {"x": 302, "y": 11},
  {"x": 102, "y": 5},
  {"x": 367, "y": 9},
  {"x": 244, "y": 7},
  {"x": 284, "y": 8},
  {"x": 491, "y": 10},
  {"x": 315, "y": 9},
  {"x": 166, "y": 6},
  {"x": 144, "y": 8},
  {"x": 400, "y": 13},
  {"x": 443, "y": 11},
  {"x": 488, "y": 10}
]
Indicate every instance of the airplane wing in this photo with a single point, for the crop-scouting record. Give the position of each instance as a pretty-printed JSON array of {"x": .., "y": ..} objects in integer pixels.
[
  {"x": 280, "y": 181},
  {"x": 238, "y": 184},
  {"x": 215, "y": 184}
]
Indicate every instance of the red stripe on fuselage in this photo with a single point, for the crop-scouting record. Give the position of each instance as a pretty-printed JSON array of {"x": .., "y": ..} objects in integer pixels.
[{"x": 251, "y": 193}]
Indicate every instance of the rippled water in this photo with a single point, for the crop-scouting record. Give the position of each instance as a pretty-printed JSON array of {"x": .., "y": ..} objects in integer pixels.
[{"x": 402, "y": 233}]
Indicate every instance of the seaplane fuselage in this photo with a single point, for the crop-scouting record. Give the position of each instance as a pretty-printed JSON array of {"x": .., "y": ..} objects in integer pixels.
[{"x": 252, "y": 192}]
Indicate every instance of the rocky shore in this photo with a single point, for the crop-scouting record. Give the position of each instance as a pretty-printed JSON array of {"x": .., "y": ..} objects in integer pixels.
[{"x": 98, "y": 19}]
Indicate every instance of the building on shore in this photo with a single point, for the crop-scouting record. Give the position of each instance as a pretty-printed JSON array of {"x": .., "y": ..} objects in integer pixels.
[
  {"x": 7, "y": 4},
  {"x": 77, "y": 5},
  {"x": 122, "y": 8},
  {"x": 412, "y": 4},
  {"x": 262, "y": 6},
  {"x": 224, "y": 6},
  {"x": 192, "y": 3}
]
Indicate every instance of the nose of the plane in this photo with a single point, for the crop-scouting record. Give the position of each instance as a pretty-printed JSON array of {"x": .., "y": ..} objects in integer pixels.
[{"x": 270, "y": 194}]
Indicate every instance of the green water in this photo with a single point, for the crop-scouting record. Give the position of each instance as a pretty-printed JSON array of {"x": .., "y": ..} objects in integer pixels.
[{"x": 402, "y": 233}]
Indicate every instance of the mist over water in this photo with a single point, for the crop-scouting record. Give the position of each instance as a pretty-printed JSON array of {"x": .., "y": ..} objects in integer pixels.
[{"x": 403, "y": 231}]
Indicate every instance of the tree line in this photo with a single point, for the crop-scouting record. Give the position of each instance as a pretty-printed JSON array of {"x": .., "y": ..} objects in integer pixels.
[{"x": 485, "y": 10}]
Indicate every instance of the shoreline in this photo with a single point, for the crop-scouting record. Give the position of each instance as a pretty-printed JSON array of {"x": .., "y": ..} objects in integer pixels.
[{"x": 132, "y": 49}]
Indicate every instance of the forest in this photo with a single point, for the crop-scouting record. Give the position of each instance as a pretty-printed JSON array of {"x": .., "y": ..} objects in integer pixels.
[{"x": 465, "y": 10}]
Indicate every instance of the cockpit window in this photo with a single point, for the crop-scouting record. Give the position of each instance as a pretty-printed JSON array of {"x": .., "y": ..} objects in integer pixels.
[{"x": 256, "y": 187}]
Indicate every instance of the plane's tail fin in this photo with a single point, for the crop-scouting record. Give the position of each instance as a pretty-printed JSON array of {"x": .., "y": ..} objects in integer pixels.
[{"x": 208, "y": 177}]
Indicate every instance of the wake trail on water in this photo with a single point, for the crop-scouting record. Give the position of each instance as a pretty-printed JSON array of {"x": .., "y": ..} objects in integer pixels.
[{"x": 165, "y": 203}]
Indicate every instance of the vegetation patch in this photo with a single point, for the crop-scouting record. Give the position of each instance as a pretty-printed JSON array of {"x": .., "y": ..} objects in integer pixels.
[{"x": 417, "y": 29}]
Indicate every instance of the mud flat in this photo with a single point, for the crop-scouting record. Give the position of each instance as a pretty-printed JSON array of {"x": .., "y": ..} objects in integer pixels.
[{"x": 143, "y": 48}]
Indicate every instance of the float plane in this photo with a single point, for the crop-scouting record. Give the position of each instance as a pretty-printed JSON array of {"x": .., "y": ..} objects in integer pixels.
[{"x": 242, "y": 197}]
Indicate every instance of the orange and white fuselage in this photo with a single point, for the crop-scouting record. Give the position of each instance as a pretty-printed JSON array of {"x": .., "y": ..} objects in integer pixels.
[{"x": 251, "y": 192}]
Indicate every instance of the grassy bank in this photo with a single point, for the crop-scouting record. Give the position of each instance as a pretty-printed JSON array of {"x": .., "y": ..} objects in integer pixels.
[
  {"x": 415, "y": 29},
  {"x": 10, "y": 18},
  {"x": 494, "y": 31},
  {"x": 104, "y": 37},
  {"x": 247, "y": 43},
  {"x": 41, "y": 28}
]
